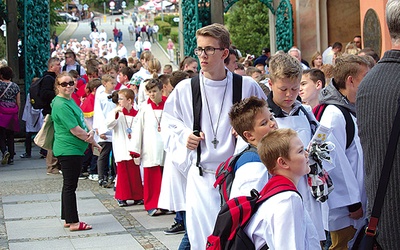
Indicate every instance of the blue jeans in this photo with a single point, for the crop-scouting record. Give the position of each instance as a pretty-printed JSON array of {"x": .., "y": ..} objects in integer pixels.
[{"x": 185, "y": 244}]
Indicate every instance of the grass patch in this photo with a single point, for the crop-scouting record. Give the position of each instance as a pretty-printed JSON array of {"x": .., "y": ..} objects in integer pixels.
[{"x": 60, "y": 28}]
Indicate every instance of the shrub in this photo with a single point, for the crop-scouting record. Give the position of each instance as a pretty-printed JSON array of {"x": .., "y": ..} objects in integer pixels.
[
  {"x": 174, "y": 36},
  {"x": 166, "y": 30}
]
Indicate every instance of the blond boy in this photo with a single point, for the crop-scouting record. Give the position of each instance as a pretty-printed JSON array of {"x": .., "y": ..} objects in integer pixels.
[{"x": 282, "y": 222}]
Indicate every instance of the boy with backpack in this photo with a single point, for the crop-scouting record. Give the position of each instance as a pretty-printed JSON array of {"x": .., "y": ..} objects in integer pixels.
[
  {"x": 275, "y": 217},
  {"x": 282, "y": 222},
  {"x": 251, "y": 120},
  {"x": 346, "y": 206}
]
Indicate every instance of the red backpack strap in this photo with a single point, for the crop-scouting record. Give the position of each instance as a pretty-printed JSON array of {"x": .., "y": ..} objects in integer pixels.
[
  {"x": 319, "y": 110},
  {"x": 277, "y": 184}
]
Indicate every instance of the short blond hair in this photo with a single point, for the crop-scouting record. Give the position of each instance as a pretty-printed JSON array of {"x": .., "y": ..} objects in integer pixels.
[
  {"x": 107, "y": 78},
  {"x": 283, "y": 66},
  {"x": 273, "y": 145},
  {"x": 217, "y": 31}
]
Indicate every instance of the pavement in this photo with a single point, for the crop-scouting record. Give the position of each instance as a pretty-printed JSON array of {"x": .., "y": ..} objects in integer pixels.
[
  {"x": 30, "y": 213},
  {"x": 81, "y": 29}
]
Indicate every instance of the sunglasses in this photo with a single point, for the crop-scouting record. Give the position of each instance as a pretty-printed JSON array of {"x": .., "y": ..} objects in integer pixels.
[{"x": 65, "y": 84}]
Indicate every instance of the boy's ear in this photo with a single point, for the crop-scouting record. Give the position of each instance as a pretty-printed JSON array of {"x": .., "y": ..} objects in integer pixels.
[
  {"x": 282, "y": 163},
  {"x": 318, "y": 84},
  {"x": 270, "y": 82},
  {"x": 248, "y": 135}
]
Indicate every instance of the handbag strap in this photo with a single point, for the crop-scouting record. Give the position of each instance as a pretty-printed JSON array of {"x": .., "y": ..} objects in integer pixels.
[
  {"x": 8, "y": 86},
  {"x": 384, "y": 179}
]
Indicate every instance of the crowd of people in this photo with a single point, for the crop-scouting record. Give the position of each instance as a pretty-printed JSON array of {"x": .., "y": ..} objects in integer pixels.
[{"x": 157, "y": 135}]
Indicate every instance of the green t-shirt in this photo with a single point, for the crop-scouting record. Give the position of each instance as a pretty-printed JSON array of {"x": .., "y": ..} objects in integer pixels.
[{"x": 67, "y": 115}]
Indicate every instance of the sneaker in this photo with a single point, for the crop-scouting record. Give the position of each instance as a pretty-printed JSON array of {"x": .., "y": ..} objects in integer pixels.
[
  {"x": 122, "y": 203},
  {"x": 138, "y": 202},
  {"x": 109, "y": 183},
  {"x": 93, "y": 177},
  {"x": 6, "y": 156},
  {"x": 10, "y": 161},
  {"x": 151, "y": 212},
  {"x": 25, "y": 155},
  {"x": 102, "y": 183},
  {"x": 176, "y": 228},
  {"x": 82, "y": 177}
]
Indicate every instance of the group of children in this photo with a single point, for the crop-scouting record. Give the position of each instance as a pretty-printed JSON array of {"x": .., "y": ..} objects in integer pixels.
[{"x": 287, "y": 220}]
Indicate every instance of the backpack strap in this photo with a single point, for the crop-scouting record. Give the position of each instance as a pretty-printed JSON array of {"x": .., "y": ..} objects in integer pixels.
[
  {"x": 196, "y": 104},
  {"x": 64, "y": 68},
  {"x": 350, "y": 130},
  {"x": 78, "y": 68},
  {"x": 311, "y": 120},
  {"x": 237, "y": 88}
]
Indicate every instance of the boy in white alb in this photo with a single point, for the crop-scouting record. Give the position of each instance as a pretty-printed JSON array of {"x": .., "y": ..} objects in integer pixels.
[
  {"x": 122, "y": 122},
  {"x": 102, "y": 106},
  {"x": 346, "y": 206},
  {"x": 251, "y": 119},
  {"x": 215, "y": 138},
  {"x": 282, "y": 222},
  {"x": 148, "y": 145},
  {"x": 285, "y": 75}
]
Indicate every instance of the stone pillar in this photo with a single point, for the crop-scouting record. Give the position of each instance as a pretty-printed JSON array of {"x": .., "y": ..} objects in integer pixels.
[
  {"x": 12, "y": 38},
  {"x": 217, "y": 11}
]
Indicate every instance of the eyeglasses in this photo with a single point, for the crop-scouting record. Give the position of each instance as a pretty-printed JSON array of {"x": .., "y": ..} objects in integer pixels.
[
  {"x": 207, "y": 50},
  {"x": 65, "y": 84}
]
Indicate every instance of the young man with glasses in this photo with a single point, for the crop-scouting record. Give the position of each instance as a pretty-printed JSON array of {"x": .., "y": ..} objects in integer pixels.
[
  {"x": 70, "y": 63},
  {"x": 215, "y": 138}
]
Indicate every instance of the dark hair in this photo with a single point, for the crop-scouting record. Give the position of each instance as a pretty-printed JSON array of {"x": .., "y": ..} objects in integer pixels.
[
  {"x": 177, "y": 76},
  {"x": 337, "y": 45},
  {"x": 164, "y": 78},
  {"x": 227, "y": 60},
  {"x": 315, "y": 75},
  {"x": 186, "y": 61},
  {"x": 153, "y": 82},
  {"x": 6, "y": 73},
  {"x": 370, "y": 52},
  {"x": 124, "y": 61},
  {"x": 93, "y": 84},
  {"x": 127, "y": 71}
]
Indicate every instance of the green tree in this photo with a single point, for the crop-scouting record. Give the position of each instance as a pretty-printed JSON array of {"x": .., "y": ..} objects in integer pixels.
[{"x": 248, "y": 24}]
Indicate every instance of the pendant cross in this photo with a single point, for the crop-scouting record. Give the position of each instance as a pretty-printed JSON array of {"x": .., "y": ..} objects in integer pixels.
[{"x": 215, "y": 142}]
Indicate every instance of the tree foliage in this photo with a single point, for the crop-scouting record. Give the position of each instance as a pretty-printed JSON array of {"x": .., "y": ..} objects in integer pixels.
[{"x": 248, "y": 24}]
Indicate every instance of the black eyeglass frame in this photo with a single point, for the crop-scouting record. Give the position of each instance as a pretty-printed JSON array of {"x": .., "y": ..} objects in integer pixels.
[{"x": 211, "y": 50}]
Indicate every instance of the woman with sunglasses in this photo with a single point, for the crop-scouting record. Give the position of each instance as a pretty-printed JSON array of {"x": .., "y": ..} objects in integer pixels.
[{"x": 71, "y": 138}]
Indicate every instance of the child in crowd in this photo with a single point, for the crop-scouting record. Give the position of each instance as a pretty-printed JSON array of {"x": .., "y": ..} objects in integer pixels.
[
  {"x": 134, "y": 84},
  {"x": 287, "y": 225},
  {"x": 103, "y": 105},
  {"x": 312, "y": 81},
  {"x": 125, "y": 74},
  {"x": 167, "y": 87},
  {"x": 251, "y": 119},
  {"x": 88, "y": 113},
  {"x": 167, "y": 69},
  {"x": 33, "y": 122},
  {"x": 121, "y": 122},
  {"x": 173, "y": 186},
  {"x": 285, "y": 75},
  {"x": 148, "y": 145}
]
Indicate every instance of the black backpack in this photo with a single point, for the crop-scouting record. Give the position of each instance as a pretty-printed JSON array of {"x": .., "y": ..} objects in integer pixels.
[
  {"x": 350, "y": 130},
  {"x": 225, "y": 174},
  {"x": 197, "y": 105},
  {"x": 234, "y": 216},
  {"x": 34, "y": 90}
]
